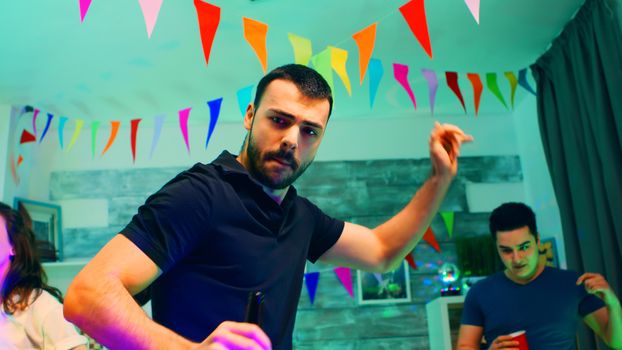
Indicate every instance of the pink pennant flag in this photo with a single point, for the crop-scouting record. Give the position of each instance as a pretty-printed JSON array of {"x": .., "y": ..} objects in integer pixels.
[
  {"x": 431, "y": 239},
  {"x": 183, "y": 125},
  {"x": 345, "y": 277},
  {"x": 400, "y": 72},
  {"x": 452, "y": 82},
  {"x": 209, "y": 18},
  {"x": 430, "y": 76},
  {"x": 311, "y": 280},
  {"x": 151, "y": 9},
  {"x": 35, "y": 114},
  {"x": 473, "y": 6},
  {"x": 255, "y": 34},
  {"x": 365, "y": 40},
  {"x": 414, "y": 14},
  {"x": 84, "y": 8}
]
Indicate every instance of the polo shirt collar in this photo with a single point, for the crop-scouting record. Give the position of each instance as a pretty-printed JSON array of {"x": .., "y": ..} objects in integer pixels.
[{"x": 229, "y": 165}]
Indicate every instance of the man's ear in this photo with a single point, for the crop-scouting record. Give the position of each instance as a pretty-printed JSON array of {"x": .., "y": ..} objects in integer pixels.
[
  {"x": 248, "y": 116},
  {"x": 21, "y": 209}
]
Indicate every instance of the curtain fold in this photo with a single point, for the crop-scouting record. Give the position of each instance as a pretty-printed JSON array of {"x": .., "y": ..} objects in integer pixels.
[{"x": 579, "y": 81}]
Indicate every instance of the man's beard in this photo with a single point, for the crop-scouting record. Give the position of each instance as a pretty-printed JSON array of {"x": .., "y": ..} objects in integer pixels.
[{"x": 258, "y": 170}]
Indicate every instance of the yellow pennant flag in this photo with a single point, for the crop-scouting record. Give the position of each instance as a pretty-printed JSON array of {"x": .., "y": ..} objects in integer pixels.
[
  {"x": 76, "y": 133},
  {"x": 338, "y": 59},
  {"x": 302, "y": 48},
  {"x": 513, "y": 83}
]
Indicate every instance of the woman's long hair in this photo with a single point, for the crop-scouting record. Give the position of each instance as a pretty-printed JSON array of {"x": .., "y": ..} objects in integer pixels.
[{"x": 25, "y": 274}]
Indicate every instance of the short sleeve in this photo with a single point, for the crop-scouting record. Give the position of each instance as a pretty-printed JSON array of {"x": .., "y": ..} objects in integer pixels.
[
  {"x": 589, "y": 303},
  {"x": 471, "y": 311},
  {"x": 173, "y": 220},
  {"x": 327, "y": 232}
]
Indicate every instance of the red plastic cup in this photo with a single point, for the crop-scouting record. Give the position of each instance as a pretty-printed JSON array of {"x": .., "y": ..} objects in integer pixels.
[{"x": 521, "y": 337}]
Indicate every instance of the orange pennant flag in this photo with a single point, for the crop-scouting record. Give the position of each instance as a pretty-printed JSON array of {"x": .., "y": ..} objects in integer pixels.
[
  {"x": 414, "y": 14},
  {"x": 431, "y": 239},
  {"x": 478, "y": 87},
  {"x": 20, "y": 159},
  {"x": 209, "y": 18},
  {"x": 255, "y": 34},
  {"x": 114, "y": 129},
  {"x": 365, "y": 40}
]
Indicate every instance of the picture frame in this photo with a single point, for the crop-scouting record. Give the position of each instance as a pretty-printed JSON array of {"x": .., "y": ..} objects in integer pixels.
[
  {"x": 384, "y": 288},
  {"x": 47, "y": 226},
  {"x": 548, "y": 252}
]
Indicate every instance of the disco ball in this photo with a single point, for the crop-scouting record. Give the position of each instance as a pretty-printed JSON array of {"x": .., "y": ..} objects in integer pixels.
[{"x": 449, "y": 273}]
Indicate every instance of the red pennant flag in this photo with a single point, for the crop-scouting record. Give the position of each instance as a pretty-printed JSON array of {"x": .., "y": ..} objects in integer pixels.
[
  {"x": 478, "y": 87},
  {"x": 414, "y": 13},
  {"x": 134, "y": 123},
  {"x": 411, "y": 261},
  {"x": 209, "y": 18},
  {"x": 27, "y": 137},
  {"x": 452, "y": 82},
  {"x": 431, "y": 239}
]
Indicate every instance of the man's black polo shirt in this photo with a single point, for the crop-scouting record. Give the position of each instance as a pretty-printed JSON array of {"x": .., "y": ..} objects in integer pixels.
[{"x": 216, "y": 236}]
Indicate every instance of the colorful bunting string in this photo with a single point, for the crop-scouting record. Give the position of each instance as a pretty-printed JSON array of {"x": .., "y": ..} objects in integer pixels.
[
  {"x": 214, "y": 112},
  {"x": 365, "y": 41},
  {"x": 344, "y": 274},
  {"x": 157, "y": 129},
  {"x": 244, "y": 98},
  {"x": 302, "y": 49},
  {"x": 522, "y": 81},
  {"x": 452, "y": 82},
  {"x": 411, "y": 261},
  {"x": 76, "y": 133},
  {"x": 375, "y": 75},
  {"x": 34, "y": 121},
  {"x": 448, "y": 219},
  {"x": 430, "y": 76},
  {"x": 150, "y": 9},
  {"x": 429, "y": 237},
  {"x": 84, "y": 8},
  {"x": 94, "y": 127},
  {"x": 61, "y": 129},
  {"x": 513, "y": 82},
  {"x": 414, "y": 14},
  {"x": 473, "y": 6},
  {"x": 400, "y": 73},
  {"x": 338, "y": 59},
  {"x": 477, "y": 89},
  {"x": 114, "y": 129},
  {"x": 322, "y": 64},
  {"x": 209, "y": 18},
  {"x": 184, "y": 114},
  {"x": 491, "y": 84},
  {"x": 47, "y": 127},
  {"x": 27, "y": 137},
  {"x": 134, "y": 131},
  {"x": 311, "y": 281}
]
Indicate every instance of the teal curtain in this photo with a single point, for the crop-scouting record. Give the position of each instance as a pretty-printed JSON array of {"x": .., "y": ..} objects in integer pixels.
[{"x": 579, "y": 82}]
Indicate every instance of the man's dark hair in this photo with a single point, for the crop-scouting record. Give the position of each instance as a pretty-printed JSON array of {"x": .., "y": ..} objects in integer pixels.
[
  {"x": 510, "y": 216},
  {"x": 310, "y": 83}
]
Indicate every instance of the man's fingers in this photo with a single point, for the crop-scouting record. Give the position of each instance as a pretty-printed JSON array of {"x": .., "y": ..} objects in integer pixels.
[{"x": 253, "y": 331}]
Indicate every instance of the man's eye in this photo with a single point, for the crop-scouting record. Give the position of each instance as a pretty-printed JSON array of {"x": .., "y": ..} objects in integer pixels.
[
  {"x": 278, "y": 120},
  {"x": 525, "y": 247},
  {"x": 310, "y": 132}
]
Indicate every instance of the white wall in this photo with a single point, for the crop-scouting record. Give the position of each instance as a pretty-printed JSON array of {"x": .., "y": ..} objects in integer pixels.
[{"x": 5, "y": 123}]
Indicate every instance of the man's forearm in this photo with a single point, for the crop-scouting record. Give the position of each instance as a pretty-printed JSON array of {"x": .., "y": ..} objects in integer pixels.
[
  {"x": 109, "y": 314},
  {"x": 614, "y": 327},
  {"x": 400, "y": 234}
]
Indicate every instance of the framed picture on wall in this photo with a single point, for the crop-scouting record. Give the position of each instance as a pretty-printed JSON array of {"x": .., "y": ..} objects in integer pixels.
[
  {"x": 47, "y": 227},
  {"x": 548, "y": 252},
  {"x": 382, "y": 288}
]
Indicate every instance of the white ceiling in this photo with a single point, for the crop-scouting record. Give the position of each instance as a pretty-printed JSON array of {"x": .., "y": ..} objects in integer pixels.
[{"x": 106, "y": 68}]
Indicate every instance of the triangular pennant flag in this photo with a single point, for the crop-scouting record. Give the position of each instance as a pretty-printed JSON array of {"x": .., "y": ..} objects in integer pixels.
[
  {"x": 20, "y": 159},
  {"x": 151, "y": 9},
  {"x": 157, "y": 129},
  {"x": 375, "y": 75},
  {"x": 473, "y": 6},
  {"x": 255, "y": 34},
  {"x": 477, "y": 89},
  {"x": 338, "y": 59},
  {"x": 134, "y": 124},
  {"x": 214, "y": 112},
  {"x": 244, "y": 98},
  {"x": 448, "y": 218},
  {"x": 114, "y": 129},
  {"x": 400, "y": 73},
  {"x": 321, "y": 63},
  {"x": 365, "y": 40},
  {"x": 414, "y": 14},
  {"x": 513, "y": 83},
  {"x": 311, "y": 280},
  {"x": 302, "y": 49},
  {"x": 34, "y": 121},
  {"x": 430, "y": 76},
  {"x": 411, "y": 261},
  {"x": 184, "y": 114},
  {"x": 491, "y": 84},
  {"x": 76, "y": 133},
  {"x": 522, "y": 81},
  {"x": 94, "y": 127},
  {"x": 344, "y": 274},
  {"x": 209, "y": 18},
  {"x": 61, "y": 129},
  {"x": 429, "y": 237},
  {"x": 27, "y": 137},
  {"x": 14, "y": 171},
  {"x": 47, "y": 126},
  {"x": 84, "y": 8},
  {"x": 452, "y": 82}
]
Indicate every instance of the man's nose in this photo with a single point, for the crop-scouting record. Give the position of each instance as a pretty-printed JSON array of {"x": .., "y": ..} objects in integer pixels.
[{"x": 290, "y": 139}]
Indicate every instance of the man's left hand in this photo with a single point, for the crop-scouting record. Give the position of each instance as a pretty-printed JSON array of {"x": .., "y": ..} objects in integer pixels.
[
  {"x": 445, "y": 142},
  {"x": 596, "y": 284}
]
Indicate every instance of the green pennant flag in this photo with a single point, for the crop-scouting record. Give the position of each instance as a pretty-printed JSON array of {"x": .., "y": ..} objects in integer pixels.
[
  {"x": 448, "y": 218},
  {"x": 491, "y": 83}
]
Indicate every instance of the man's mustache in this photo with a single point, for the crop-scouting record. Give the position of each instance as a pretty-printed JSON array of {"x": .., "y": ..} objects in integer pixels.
[{"x": 285, "y": 157}]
